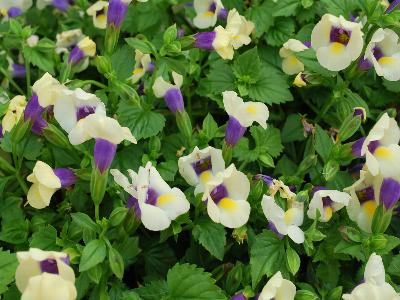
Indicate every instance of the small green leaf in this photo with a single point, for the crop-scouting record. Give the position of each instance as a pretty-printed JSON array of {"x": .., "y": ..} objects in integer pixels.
[
  {"x": 323, "y": 143},
  {"x": 116, "y": 262},
  {"x": 84, "y": 221},
  {"x": 94, "y": 253},
  {"x": 282, "y": 30},
  {"x": 45, "y": 238},
  {"x": 211, "y": 236},
  {"x": 293, "y": 260}
]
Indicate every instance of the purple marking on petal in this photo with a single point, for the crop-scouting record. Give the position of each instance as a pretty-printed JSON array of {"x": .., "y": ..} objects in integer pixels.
[
  {"x": 84, "y": 111},
  {"x": 307, "y": 44},
  {"x": 239, "y": 297},
  {"x": 39, "y": 125},
  {"x": 62, "y": 5},
  {"x": 1, "y": 131},
  {"x": 18, "y": 71},
  {"x": 272, "y": 227},
  {"x": 356, "y": 147},
  {"x": 234, "y": 131},
  {"x": 390, "y": 192},
  {"x": 202, "y": 165},
  {"x": 366, "y": 194},
  {"x": 174, "y": 100},
  {"x": 258, "y": 295},
  {"x": 268, "y": 180},
  {"x": 151, "y": 67},
  {"x": 327, "y": 201},
  {"x": 133, "y": 204},
  {"x": 104, "y": 152},
  {"x": 223, "y": 14},
  {"x": 116, "y": 13},
  {"x": 49, "y": 266},
  {"x": 213, "y": 7},
  {"x": 340, "y": 35},
  {"x": 33, "y": 109},
  {"x": 204, "y": 40},
  {"x": 364, "y": 64},
  {"x": 152, "y": 196},
  {"x": 65, "y": 260},
  {"x": 392, "y": 6},
  {"x": 359, "y": 111},
  {"x": 66, "y": 176},
  {"x": 377, "y": 52},
  {"x": 14, "y": 12},
  {"x": 141, "y": 91},
  {"x": 373, "y": 145},
  {"x": 76, "y": 55},
  {"x": 218, "y": 193},
  {"x": 352, "y": 17}
]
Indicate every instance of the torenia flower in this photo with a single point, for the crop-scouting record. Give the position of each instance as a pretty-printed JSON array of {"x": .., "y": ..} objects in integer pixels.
[
  {"x": 170, "y": 92},
  {"x": 326, "y": 202},
  {"x": 201, "y": 166},
  {"x": 99, "y": 13},
  {"x": 226, "y": 196},
  {"x": 383, "y": 51},
  {"x": 278, "y": 288},
  {"x": 290, "y": 63},
  {"x": 381, "y": 147},
  {"x": 14, "y": 8},
  {"x": 36, "y": 262},
  {"x": 374, "y": 286},
  {"x": 74, "y": 105},
  {"x": 107, "y": 132},
  {"x": 142, "y": 65},
  {"x": 46, "y": 181},
  {"x": 337, "y": 42},
  {"x": 300, "y": 80},
  {"x": 85, "y": 48},
  {"x": 207, "y": 12},
  {"x": 284, "y": 222},
  {"x": 153, "y": 200},
  {"x": 130, "y": 187},
  {"x": 242, "y": 115},
  {"x": 14, "y": 112},
  {"x": 68, "y": 39},
  {"x": 218, "y": 40},
  {"x": 117, "y": 10},
  {"x": 49, "y": 287},
  {"x": 62, "y": 5},
  {"x": 239, "y": 29}
]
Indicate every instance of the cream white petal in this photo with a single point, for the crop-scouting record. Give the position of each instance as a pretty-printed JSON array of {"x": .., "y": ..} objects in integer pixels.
[
  {"x": 45, "y": 175},
  {"x": 153, "y": 217},
  {"x": 178, "y": 79},
  {"x": 39, "y": 196},
  {"x": 201, "y": 6},
  {"x": 173, "y": 203},
  {"x": 160, "y": 87},
  {"x": 296, "y": 234},
  {"x": 278, "y": 288},
  {"x": 374, "y": 270},
  {"x": 120, "y": 178},
  {"x": 26, "y": 270},
  {"x": 46, "y": 89},
  {"x": 205, "y": 20},
  {"x": 291, "y": 65},
  {"x": 222, "y": 43},
  {"x": 237, "y": 216}
]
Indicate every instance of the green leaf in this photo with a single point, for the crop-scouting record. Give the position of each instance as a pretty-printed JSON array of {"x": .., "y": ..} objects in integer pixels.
[
  {"x": 15, "y": 232},
  {"x": 210, "y": 127},
  {"x": 154, "y": 290},
  {"x": 94, "y": 253},
  {"x": 267, "y": 140},
  {"x": 220, "y": 78},
  {"x": 123, "y": 62},
  {"x": 323, "y": 143},
  {"x": 45, "y": 238},
  {"x": 143, "y": 123},
  {"x": 262, "y": 17},
  {"x": 40, "y": 59},
  {"x": 95, "y": 273},
  {"x": 285, "y": 8},
  {"x": 168, "y": 169},
  {"x": 8, "y": 265},
  {"x": 350, "y": 248},
  {"x": 143, "y": 46},
  {"x": 306, "y": 295},
  {"x": 116, "y": 262},
  {"x": 271, "y": 87},
  {"x": 340, "y": 7},
  {"x": 211, "y": 236},
  {"x": 293, "y": 260},
  {"x": 186, "y": 282},
  {"x": 84, "y": 221},
  {"x": 247, "y": 66},
  {"x": 293, "y": 129},
  {"x": 282, "y": 30},
  {"x": 267, "y": 256},
  {"x": 394, "y": 266}
]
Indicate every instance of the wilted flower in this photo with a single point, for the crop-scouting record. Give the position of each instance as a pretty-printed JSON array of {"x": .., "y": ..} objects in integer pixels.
[
  {"x": 374, "y": 286},
  {"x": 278, "y": 288},
  {"x": 46, "y": 181},
  {"x": 13, "y": 113},
  {"x": 360, "y": 111},
  {"x": 62, "y": 5},
  {"x": 242, "y": 115},
  {"x": 337, "y": 42},
  {"x": 99, "y": 13},
  {"x": 170, "y": 92},
  {"x": 36, "y": 262},
  {"x": 383, "y": 51},
  {"x": 290, "y": 63},
  {"x": 326, "y": 202},
  {"x": 226, "y": 196},
  {"x": 84, "y": 48},
  {"x": 284, "y": 222},
  {"x": 66, "y": 40},
  {"x": 300, "y": 80},
  {"x": 143, "y": 64},
  {"x": 207, "y": 12},
  {"x": 201, "y": 166}
]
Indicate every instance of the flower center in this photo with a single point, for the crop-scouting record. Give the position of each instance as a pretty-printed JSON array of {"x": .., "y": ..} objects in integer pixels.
[
  {"x": 219, "y": 193},
  {"x": 84, "y": 111},
  {"x": 369, "y": 208},
  {"x": 365, "y": 195},
  {"x": 340, "y": 35},
  {"x": 49, "y": 266},
  {"x": 202, "y": 165}
]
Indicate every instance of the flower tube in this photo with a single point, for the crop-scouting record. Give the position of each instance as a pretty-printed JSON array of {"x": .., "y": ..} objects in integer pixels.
[
  {"x": 45, "y": 182},
  {"x": 201, "y": 166},
  {"x": 291, "y": 65},
  {"x": 278, "y": 288},
  {"x": 242, "y": 115},
  {"x": 207, "y": 13},
  {"x": 284, "y": 222},
  {"x": 337, "y": 42},
  {"x": 98, "y": 11},
  {"x": 226, "y": 197},
  {"x": 36, "y": 262},
  {"x": 170, "y": 92},
  {"x": 383, "y": 51}
]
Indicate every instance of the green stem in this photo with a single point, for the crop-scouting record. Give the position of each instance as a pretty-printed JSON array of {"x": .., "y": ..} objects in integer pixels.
[
  {"x": 85, "y": 82},
  {"x": 96, "y": 212},
  {"x": 22, "y": 183},
  {"x": 28, "y": 78},
  {"x": 325, "y": 109},
  {"x": 6, "y": 166},
  {"x": 13, "y": 83}
]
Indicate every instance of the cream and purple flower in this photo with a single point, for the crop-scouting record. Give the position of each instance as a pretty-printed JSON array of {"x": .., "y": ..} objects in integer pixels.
[
  {"x": 45, "y": 182},
  {"x": 201, "y": 166},
  {"x": 61, "y": 5},
  {"x": 14, "y": 8},
  {"x": 15, "y": 110},
  {"x": 337, "y": 42},
  {"x": 207, "y": 13},
  {"x": 143, "y": 64},
  {"x": 226, "y": 197},
  {"x": 242, "y": 115},
  {"x": 278, "y": 288},
  {"x": 98, "y": 11},
  {"x": 85, "y": 48},
  {"x": 291, "y": 65},
  {"x": 170, "y": 92},
  {"x": 67, "y": 40}
]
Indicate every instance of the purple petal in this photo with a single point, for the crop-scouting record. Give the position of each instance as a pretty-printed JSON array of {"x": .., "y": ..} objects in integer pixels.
[
  {"x": 366, "y": 194},
  {"x": 268, "y": 180},
  {"x": 134, "y": 204},
  {"x": 62, "y": 5},
  {"x": 39, "y": 125},
  {"x": 33, "y": 109},
  {"x": 76, "y": 55},
  {"x": 66, "y": 176},
  {"x": 223, "y": 14},
  {"x": 392, "y": 6},
  {"x": 152, "y": 196},
  {"x": 390, "y": 192},
  {"x": 234, "y": 131},
  {"x": 49, "y": 266},
  {"x": 356, "y": 147},
  {"x": 1, "y": 131},
  {"x": 340, "y": 35},
  {"x": 360, "y": 111},
  {"x": 272, "y": 227},
  {"x": 174, "y": 100},
  {"x": 18, "y": 71},
  {"x": 364, "y": 64},
  {"x": 204, "y": 40},
  {"x": 373, "y": 145},
  {"x": 239, "y": 297},
  {"x": 116, "y": 13},
  {"x": 104, "y": 152},
  {"x": 307, "y": 44},
  {"x": 14, "y": 12}
]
